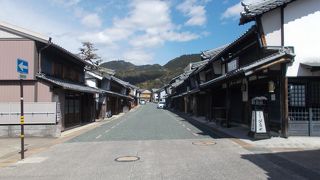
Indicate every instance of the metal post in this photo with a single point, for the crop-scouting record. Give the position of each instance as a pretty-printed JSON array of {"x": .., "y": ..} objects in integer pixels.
[
  {"x": 310, "y": 121},
  {"x": 22, "y": 120}
]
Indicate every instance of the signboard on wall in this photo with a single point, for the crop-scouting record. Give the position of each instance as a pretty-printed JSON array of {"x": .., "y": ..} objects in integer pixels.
[
  {"x": 233, "y": 64},
  {"x": 22, "y": 66}
]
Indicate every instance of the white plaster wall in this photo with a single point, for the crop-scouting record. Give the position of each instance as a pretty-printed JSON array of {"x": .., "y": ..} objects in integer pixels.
[
  {"x": 302, "y": 28},
  {"x": 91, "y": 82},
  {"x": 162, "y": 94},
  {"x": 271, "y": 23}
]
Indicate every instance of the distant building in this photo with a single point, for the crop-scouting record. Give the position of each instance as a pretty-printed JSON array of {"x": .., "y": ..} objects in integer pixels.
[
  {"x": 146, "y": 95},
  {"x": 155, "y": 95}
]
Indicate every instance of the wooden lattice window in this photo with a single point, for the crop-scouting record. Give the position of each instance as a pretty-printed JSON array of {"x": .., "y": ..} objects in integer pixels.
[{"x": 297, "y": 95}]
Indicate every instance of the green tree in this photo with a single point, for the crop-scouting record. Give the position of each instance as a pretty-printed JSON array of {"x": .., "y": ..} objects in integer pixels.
[{"x": 88, "y": 53}]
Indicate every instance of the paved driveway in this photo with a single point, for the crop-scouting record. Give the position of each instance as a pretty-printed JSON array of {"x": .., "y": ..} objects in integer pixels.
[{"x": 168, "y": 147}]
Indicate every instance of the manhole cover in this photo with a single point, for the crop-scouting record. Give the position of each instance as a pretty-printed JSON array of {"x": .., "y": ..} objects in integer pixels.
[
  {"x": 127, "y": 159},
  {"x": 204, "y": 143}
]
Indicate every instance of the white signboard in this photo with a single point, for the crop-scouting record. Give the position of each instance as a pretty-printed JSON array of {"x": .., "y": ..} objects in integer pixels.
[
  {"x": 258, "y": 123},
  {"x": 232, "y": 65},
  {"x": 261, "y": 126}
]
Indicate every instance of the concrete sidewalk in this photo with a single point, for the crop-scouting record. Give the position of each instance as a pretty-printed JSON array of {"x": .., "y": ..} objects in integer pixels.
[
  {"x": 300, "y": 154},
  {"x": 273, "y": 144},
  {"x": 10, "y": 147}
]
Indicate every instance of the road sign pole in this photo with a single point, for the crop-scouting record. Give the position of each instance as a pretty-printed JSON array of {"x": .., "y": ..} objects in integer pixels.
[
  {"x": 22, "y": 120},
  {"x": 22, "y": 69}
]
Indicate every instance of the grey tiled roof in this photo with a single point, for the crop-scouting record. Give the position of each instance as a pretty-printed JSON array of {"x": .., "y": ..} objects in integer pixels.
[
  {"x": 244, "y": 70},
  {"x": 260, "y": 7},
  {"x": 116, "y": 94},
  {"x": 120, "y": 81},
  {"x": 198, "y": 64},
  {"x": 209, "y": 54},
  {"x": 77, "y": 87},
  {"x": 69, "y": 85},
  {"x": 178, "y": 83},
  {"x": 251, "y": 30}
]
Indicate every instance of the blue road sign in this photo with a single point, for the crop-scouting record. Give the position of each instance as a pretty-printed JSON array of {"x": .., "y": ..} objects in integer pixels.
[{"x": 22, "y": 66}]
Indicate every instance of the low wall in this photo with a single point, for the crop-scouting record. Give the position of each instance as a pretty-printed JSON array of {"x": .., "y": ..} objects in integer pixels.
[{"x": 31, "y": 130}]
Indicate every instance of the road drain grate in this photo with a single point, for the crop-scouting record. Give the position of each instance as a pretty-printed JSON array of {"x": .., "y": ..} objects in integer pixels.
[
  {"x": 204, "y": 143},
  {"x": 127, "y": 159}
]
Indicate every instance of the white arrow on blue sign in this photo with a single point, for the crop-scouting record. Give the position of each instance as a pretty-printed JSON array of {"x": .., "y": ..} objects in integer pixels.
[{"x": 22, "y": 66}]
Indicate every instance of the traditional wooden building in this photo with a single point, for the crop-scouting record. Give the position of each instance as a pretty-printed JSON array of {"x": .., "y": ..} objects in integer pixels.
[
  {"x": 135, "y": 94},
  {"x": 293, "y": 23},
  {"x": 55, "y": 75},
  {"x": 275, "y": 59},
  {"x": 118, "y": 99},
  {"x": 183, "y": 89},
  {"x": 242, "y": 71}
]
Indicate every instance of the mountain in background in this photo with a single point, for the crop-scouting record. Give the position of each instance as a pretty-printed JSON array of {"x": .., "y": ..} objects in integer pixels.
[{"x": 151, "y": 76}]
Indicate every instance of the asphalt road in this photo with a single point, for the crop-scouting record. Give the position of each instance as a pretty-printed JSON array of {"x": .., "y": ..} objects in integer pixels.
[
  {"x": 146, "y": 123},
  {"x": 168, "y": 147}
]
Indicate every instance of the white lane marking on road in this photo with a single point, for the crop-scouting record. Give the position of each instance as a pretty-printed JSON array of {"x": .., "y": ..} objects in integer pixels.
[
  {"x": 195, "y": 134},
  {"x": 107, "y": 130},
  {"x": 98, "y": 136},
  {"x": 112, "y": 127}
]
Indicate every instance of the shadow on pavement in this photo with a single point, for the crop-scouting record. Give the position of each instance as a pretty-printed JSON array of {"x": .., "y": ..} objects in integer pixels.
[
  {"x": 305, "y": 164},
  {"x": 298, "y": 164},
  {"x": 206, "y": 131}
]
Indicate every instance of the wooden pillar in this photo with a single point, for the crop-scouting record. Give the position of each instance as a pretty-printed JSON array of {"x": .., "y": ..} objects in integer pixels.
[
  {"x": 284, "y": 101},
  {"x": 210, "y": 105},
  {"x": 195, "y": 104},
  {"x": 227, "y": 105},
  {"x": 117, "y": 105}
]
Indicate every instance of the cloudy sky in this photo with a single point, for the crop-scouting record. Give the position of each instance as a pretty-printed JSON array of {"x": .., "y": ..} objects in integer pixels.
[{"x": 139, "y": 31}]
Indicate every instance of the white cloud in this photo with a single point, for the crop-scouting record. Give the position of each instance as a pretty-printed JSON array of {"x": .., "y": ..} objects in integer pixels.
[
  {"x": 138, "y": 57},
  {"x": 91, "y": 20},
  {"x": 107, "y": 37},
  {"x": 147, "y": 25},
  {"x": 180, "y": 37},
  {"x": 195, "y": 12},
  {"x": 61, "y": 32},
  {"x": 232, "y": 12},
  {"x": 146, "y": 41},
  {"x": 67, "y": 3}
]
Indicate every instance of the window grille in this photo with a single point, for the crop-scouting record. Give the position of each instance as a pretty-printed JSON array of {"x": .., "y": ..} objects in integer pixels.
[
  {"x": 315, "y": 114},
  {"x": 298, "y": 114},
  {"x": 297, "y": 95}
]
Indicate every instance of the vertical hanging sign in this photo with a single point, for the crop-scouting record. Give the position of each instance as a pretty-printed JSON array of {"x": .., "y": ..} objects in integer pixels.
[{"x": 22, "y": 69}]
